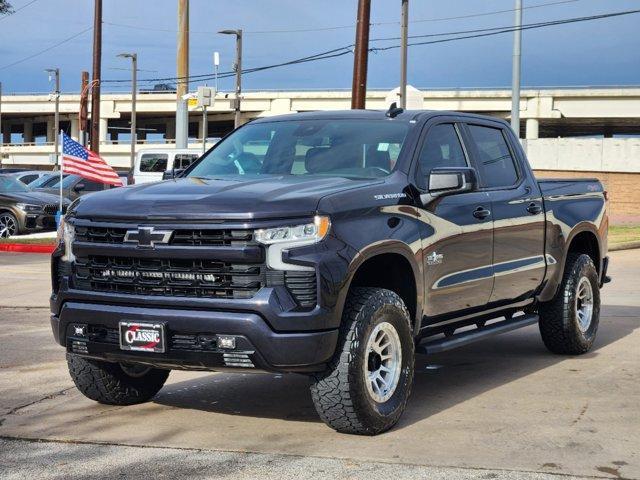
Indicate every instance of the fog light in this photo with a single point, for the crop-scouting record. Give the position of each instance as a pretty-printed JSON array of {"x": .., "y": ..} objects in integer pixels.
[
  {"x": 226, "y": 342},
  {"x": 80, "y": 330}
]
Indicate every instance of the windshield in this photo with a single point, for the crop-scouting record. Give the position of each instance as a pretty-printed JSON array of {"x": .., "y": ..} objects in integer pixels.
[
  {"x": 345, "y": 148},
  {"x": 10, "y": 184}
]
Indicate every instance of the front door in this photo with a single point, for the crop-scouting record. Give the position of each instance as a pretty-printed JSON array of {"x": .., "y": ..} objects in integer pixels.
[
  {"x": 516, "y": 205},
  {"x": 457, "y": 241}
]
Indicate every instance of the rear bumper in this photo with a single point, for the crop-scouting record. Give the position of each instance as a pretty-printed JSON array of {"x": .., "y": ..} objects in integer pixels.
[{"x": 189, "y": 334}]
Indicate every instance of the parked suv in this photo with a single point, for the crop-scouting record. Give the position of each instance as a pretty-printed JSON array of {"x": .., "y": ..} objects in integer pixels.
[
  {"x": 24, "y": 211},
  {"x": 331, "y": 244}
]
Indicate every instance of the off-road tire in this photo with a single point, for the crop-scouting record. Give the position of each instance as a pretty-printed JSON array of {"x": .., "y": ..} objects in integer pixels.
[
  {"x": 340, "y": 393},
  {"x": 558, "y": 319},
  {"x": 108, "y": 383}
]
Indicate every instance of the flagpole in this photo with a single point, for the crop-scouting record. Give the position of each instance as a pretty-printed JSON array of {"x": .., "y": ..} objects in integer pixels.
[{"x": 59, "y": 160}]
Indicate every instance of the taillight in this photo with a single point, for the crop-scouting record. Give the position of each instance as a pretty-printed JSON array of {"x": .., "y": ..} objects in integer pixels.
[{"x": 606, "y": 195}]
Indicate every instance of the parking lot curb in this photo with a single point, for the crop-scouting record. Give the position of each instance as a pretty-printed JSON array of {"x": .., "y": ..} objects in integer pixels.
[
  {"x": 26, "y": 248},
  {"x": 624, "y": 246}
]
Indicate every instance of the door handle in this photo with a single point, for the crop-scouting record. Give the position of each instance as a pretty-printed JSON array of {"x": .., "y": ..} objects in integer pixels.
[
  {"x": 481, "y": 213},
  {"x": 534, "y": 208}
]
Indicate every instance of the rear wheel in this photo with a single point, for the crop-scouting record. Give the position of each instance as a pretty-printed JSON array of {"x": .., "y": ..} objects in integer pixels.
[
  {"x": 569, "y": 322},
  {"x": 366, "y": 386},
  {"x": 115, "y": 383},
  {"x": 8, "y": 225}
]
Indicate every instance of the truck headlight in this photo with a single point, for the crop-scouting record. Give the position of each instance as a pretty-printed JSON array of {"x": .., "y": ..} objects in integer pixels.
[
  {"x": 308, "y": 233},
  {"x": 28, "y": 208},
  {"x": 66, "y": 234},
  {"x": 282, "y": 238}
]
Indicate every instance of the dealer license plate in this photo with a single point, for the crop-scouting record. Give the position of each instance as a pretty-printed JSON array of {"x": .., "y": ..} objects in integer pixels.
[{"x": 143, "y": 337}]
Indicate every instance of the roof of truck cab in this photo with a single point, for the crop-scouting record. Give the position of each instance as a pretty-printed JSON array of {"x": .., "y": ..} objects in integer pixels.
[{"x": 405, "y": 116}]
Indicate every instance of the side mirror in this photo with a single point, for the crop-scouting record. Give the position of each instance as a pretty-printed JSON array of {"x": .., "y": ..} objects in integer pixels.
[
  {"x": 79, "y": 187},
  {"x": 447, "y": 181}
]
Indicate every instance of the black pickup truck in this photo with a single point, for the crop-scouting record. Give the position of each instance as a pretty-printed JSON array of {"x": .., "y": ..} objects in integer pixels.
[{"x": 333, "y": 244}]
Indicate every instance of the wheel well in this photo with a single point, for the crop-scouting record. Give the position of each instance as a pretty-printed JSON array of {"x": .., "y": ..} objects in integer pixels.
[
  {"x": 587, "y": 243},
  {"x": 393, "y": 272}
]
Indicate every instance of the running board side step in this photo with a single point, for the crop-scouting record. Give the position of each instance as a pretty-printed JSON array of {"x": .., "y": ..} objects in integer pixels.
[{"x": 471, "y": 336}]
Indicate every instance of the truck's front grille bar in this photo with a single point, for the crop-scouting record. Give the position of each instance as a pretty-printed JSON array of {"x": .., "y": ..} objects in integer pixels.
[
  {"x": 168, "y": 277},
  {"x": 179, "y": 237}
]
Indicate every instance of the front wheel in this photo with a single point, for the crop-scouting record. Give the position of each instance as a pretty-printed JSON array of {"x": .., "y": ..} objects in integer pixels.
[
  {"x": 367, "y": 384},
  {"x": 8, "y": 225},
  {"x": 115, "y": 383},
  {"x": 569, "y": 322}
]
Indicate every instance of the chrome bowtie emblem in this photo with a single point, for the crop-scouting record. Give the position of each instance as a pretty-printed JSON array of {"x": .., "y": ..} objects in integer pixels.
[
  {"x": 434, "y": 258},
  {"x": 147, "y": 237}
]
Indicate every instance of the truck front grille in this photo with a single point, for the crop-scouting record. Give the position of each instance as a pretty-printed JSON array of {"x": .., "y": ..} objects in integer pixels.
[
  {"x": 168, "y": 277},
  {"x": 52, "y": 209},
  {"x": 182, "y": 237}
]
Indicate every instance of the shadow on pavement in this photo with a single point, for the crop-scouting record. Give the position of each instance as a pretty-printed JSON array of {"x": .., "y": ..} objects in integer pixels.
[{"x": 441, "y": 381}]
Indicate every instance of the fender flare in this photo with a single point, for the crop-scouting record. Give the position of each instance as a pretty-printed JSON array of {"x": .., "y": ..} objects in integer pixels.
[{"x": 387, "y": 246}]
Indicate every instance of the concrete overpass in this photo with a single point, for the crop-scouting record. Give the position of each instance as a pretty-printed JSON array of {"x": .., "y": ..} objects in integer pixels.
[{"x": 589, "y": 130}]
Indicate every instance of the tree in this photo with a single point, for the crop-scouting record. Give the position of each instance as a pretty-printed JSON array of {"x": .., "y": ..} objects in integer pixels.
[{"x": 5, "y": 7}]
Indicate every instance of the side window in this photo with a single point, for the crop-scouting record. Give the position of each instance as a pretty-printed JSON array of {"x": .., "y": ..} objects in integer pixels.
[
  {"x": 497, "y": 167},
  {"x": 441, "y": 148},
  {"x": 92, "y": 186},
  {"x": 183, "y": 160},
  {"x": 153, "y": 162},
  {"x": 27, "y": 179}
]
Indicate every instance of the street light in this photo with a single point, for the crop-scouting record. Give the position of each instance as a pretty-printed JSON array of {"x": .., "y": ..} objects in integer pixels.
[
  {"x": 134, "y": 88},
  {"x": 238, "y": 69},
  {"x": 55, "y": 72}
]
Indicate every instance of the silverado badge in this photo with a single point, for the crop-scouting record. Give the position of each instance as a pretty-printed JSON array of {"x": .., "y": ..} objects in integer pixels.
[{"x": 434, "y": 258}]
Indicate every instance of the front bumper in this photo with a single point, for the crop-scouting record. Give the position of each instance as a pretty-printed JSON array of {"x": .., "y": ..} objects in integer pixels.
[
  {"x": 189, "y": 334},
  {"x": 33, "y": 222}
]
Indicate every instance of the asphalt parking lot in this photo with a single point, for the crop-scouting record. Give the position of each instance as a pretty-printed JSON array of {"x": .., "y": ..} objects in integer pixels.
[{"x": 504, "y": 408}]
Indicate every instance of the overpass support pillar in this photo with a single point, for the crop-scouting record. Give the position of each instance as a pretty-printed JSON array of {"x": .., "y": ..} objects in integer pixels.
[
  {"x": 533, "y": 128},
  {"x": 27, "y": 132},
  {"x": 103, "y": 129}
]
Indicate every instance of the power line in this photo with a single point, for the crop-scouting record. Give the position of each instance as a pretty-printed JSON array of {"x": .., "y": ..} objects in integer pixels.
[
  {"x": 18, "y": 9},
  {"x": 337, "y": 52},
  {"x": 68, "y": 39},
  {"x": 342, "y": 27},
  {"x": 513, "y": 29}
]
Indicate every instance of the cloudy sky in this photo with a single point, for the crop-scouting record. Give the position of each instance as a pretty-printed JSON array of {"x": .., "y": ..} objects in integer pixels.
[{"x": 604, "y": 52}]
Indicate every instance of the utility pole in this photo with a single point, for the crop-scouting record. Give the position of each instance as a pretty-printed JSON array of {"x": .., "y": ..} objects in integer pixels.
[
  {"x": 404, "y": 36},
  {"x": 83, "y": 113},
  {"x": 360, "y": 60},
  {"x": 134, "y": 90},
  {"x": 515, "y": 76},
  {"x": 182, "y": 72},
  {"x": 56, "y": 125},
  {"x": 97, "y": 64},
  {"x": 238, "y": 69}
]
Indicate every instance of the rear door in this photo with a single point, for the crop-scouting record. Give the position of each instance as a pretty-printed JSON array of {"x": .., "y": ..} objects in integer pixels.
[
  {"x": 516, "y": 209},
  {"x": 457, "y": 245}
]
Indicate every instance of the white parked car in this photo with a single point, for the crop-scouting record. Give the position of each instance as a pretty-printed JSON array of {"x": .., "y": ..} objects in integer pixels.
[{"x": 152, "y": 163}]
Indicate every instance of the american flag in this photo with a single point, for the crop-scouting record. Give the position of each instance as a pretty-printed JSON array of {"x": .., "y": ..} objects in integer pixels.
[{"x": 79, "y": 160}]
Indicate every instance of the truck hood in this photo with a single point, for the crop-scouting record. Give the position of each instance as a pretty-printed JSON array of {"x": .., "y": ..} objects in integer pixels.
[
  {"x": 32, "y": 198},
  {"x": 234, "y": 198}
]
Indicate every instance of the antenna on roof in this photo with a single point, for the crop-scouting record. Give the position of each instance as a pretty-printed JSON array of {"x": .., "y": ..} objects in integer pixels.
[{"x": 394, "y": 110}]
